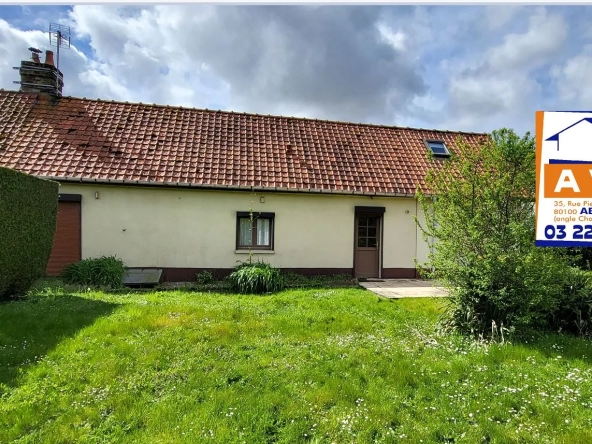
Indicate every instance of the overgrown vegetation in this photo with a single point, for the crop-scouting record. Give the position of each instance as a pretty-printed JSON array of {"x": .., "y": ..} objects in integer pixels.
[
  {"x": 255, "y": 278},
  {"x": 102, "y": 272},
  {"x": 304, "y": 366},
  {"x": 482, "y": 229},
  {"x": 294, "y": 280},
  {"x": 574, "y": 313},
  {"x": 290, "y": 279},
  {"x": 204, "y": 278},
  {"x": 580, "y": 257},
  {"x": 28, "y": 209}
]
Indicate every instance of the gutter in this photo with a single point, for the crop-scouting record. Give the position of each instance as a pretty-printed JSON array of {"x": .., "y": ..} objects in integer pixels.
[{"x": 144, "y": 183}]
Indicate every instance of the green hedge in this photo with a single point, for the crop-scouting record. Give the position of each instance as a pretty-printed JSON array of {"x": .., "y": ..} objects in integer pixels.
[{"x": 28, "y": 210}]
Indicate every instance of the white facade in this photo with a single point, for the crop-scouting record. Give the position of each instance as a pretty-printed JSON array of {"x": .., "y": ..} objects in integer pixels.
[{"x": 195, "y": 228}]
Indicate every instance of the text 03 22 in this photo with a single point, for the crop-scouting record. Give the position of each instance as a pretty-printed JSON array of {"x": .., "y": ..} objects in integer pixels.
[{"x": 574, "y": 232}]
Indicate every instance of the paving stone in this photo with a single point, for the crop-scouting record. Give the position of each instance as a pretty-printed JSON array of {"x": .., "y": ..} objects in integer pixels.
[{"x": 404, "y": 288}]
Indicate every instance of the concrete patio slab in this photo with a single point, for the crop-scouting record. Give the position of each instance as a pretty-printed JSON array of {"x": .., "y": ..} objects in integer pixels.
[{"x": 404, "y": 288}]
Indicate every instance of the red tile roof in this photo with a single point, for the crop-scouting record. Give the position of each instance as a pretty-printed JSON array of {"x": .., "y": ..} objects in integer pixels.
[{"x": 96, "y": 140}]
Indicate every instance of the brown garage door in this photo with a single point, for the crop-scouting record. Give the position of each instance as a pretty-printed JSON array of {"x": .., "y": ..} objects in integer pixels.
[{"x": 66, "y": 243}]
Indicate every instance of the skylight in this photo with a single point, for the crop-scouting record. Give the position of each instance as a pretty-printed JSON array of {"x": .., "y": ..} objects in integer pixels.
[{"x": 438, "y": 148}]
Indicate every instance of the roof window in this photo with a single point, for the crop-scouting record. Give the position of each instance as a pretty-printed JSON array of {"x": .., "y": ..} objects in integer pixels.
[{"x": 438, "y": 148}]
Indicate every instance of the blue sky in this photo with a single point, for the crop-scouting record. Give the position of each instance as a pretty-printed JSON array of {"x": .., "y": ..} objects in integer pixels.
[{"x": 471, "y": 68}]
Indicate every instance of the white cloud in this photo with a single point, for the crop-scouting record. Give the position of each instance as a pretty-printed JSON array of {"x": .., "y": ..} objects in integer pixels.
[
  {"x": 14, "y": 48},
  {"x": 261, "y": 59},
  {"x": 544, "y": 39},
  {"x": 572, "y": 79},
  {"x": 499, "y": 86},
  {"x": 499, "y": 16},
  {"x": 468, "y": 68},
  {"x": 395, "y": 39}
]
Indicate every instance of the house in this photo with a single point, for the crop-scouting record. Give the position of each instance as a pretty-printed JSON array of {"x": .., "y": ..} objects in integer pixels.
[{"x": 171, "y": 187}]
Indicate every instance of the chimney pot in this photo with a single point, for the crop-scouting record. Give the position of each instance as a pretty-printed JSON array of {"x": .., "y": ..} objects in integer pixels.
[
  {"x": 49, "y": 57},
  {"x": 35, "y": 58}
]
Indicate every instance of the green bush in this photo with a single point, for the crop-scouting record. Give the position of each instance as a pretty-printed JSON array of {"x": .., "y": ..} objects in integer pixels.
[
  {"x": 28, "y": 209},
  {"x": 204, "y": 278},
  {"x": 574, "y": 312},
  {"x": 482, "y": 228},
  {"x": 255, "y": 278},
  {"x": 581, "y": 257},
  {"x": 516, "y": 292},
  {"x": 106, "y": 271}
]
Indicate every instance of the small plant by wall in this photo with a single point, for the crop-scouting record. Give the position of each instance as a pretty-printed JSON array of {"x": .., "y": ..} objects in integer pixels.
[
  {"x": 106, "y": 271},
  {"x": 255, "y": 278},
  {"x": 28, "y": 209},
  {"x": 204, "y": 278}
]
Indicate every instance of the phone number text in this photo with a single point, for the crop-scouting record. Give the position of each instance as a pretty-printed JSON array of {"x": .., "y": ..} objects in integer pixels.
[{"x": 561, "y": 232}]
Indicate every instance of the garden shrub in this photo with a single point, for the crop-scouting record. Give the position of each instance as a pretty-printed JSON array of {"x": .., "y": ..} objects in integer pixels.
[
  {"x": 581, "y": 257},
  {"x": 204, "y": 278},
  {"x": 481, "y": 227},
  {"x": 255, "y": 278},
  {"x": 574, "y": 313},
  {"x": 28, "y": 209},
  {"x": 106, "y": 271}
]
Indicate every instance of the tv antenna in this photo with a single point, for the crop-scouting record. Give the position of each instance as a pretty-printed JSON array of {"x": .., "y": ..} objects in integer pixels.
[{"x": 59, "y": 36}]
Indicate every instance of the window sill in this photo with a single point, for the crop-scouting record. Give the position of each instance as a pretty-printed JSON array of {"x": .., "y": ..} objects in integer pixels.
[{"x": 254, "y": 251}]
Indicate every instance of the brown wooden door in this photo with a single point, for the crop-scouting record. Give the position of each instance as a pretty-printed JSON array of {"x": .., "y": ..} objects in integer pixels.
[
  {"x": 367, "y": 246},
  {"x": 66, "y": 243}
]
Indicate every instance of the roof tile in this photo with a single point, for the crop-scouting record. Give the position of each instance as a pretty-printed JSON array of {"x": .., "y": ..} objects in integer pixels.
[{"x": 97, "y": 139}]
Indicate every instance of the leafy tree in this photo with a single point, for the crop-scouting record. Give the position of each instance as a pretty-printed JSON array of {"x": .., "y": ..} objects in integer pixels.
[
  {"x": 581, "y": 257},
  {"x": 480, "y": 224}
]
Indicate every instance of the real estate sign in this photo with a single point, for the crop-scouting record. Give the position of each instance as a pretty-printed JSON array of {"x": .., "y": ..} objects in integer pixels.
[{"x": 564, "y": 178}]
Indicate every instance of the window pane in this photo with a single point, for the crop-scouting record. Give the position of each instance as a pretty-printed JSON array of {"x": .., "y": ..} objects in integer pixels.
[
  {"x": 362, "y": 221},
  {"x": 245, "y": 234},
  {"x": 361, "y": 231},
  {"x": 438, "y": 147},
  {"x": 371, "y": 221},
  {"x": 372, "y": 242},
  {"x": 263, "y": 235},
  {"x": 372, "y": 232},
  {"x": 362, "y": 242}
]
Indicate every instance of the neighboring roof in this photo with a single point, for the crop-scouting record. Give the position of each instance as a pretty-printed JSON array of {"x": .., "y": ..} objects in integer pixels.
[{"x": 98, "y": 140}]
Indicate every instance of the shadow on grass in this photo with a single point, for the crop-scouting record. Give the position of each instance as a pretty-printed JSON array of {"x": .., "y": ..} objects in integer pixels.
[
  {"x": 551, "y": 345},
  {"x": 31, "y": 328},
  {"x": 564, "y": 345}
]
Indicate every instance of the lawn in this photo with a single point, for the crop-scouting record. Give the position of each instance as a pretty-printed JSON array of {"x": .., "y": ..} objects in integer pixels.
[{"x": 308, "y": 365}]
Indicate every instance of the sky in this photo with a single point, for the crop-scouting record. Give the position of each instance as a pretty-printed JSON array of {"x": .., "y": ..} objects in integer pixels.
[{"x": 460, "y": 68}]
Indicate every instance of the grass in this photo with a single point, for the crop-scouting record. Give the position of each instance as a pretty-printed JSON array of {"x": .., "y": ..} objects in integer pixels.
[{"x": 313, "y": 365}]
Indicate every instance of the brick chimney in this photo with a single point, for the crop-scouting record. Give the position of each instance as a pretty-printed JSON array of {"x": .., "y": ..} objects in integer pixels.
[{"x": 40, "y": 77}]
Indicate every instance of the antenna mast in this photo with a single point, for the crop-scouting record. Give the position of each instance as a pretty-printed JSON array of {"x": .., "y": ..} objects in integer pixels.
[{"x": 59, "y": 36}]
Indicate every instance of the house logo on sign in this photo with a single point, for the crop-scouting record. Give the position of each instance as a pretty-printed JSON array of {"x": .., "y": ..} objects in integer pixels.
[{"x": 564, "y": 179}]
